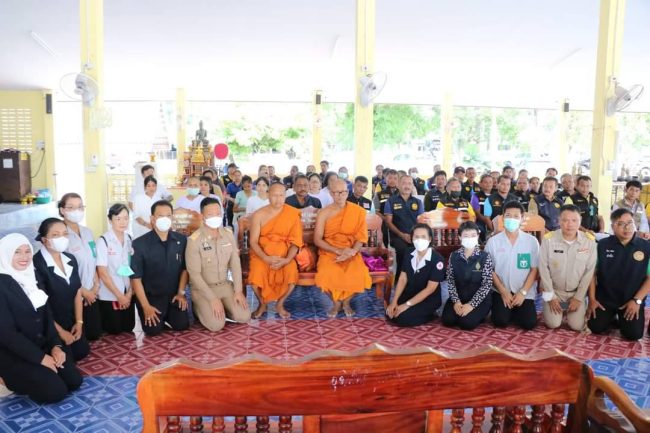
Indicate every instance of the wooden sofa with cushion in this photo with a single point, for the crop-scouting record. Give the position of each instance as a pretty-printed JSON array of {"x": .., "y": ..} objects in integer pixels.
[
  {"x": 380, "y": 390},
  {"x": 382, "y": 280}
]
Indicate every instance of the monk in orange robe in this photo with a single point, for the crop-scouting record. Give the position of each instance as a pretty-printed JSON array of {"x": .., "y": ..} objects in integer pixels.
[
  {"x": 340, "y": 232},
  {"x": 275, "y": 237}
]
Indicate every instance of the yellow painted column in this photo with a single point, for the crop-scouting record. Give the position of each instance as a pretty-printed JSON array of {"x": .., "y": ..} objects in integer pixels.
[
  {"x": 447, "y": 126},
  {"x": 91, "y": 13},
  {"x": 317, "y": 127},
  {"x": 181, "y": 139},
  {"x": 364, "y": 64},
  {"x": 603, "y": 145},
  {"x": 563, "y": 144}
]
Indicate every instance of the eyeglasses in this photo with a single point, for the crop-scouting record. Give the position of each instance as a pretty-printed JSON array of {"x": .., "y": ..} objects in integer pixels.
[{"x": 627, "y": 225}]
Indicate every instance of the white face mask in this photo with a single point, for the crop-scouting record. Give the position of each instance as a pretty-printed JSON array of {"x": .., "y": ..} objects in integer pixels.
[
  {"x": 59, "y": 244},
  {"x": 193, "y": 191},
  {"x": 214, "y": 222},
  {"x": 163, "y": 224},
  {"x": 414, "y": 175},
  {"x": 75, "y": 216},
  {"x": 421, "y": 244},
  {"x": 469, "y": 243}
]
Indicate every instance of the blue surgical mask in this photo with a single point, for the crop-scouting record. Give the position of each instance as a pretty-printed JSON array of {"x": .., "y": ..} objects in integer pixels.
[
  {"x": 193, "y": 191},
  {"x": 511, "y": 224}
]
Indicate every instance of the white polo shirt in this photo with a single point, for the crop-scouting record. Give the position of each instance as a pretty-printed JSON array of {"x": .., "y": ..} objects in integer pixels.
[
  {"x": 142, "y": 209},
  {"x": 186, "y": 203},
  {"x": 84, "y": 250},
  {"x": 113, "y": 254},
  {"x": 512, "y": 263}
]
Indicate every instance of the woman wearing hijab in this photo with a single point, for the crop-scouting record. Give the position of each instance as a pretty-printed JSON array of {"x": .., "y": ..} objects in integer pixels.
[
  {"x": 33, "y": 360},
  {"x": 57, "y": 273}
]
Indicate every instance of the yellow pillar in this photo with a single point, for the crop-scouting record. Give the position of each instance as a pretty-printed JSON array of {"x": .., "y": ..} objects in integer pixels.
[
  {"x": 447, "y": 124},
  {"x": 91, "y": 13},
  {"x": 181, "y": 139},
  {"x": 563, "y": 145},
  {"x": 364, "y": 64},
  {"x": 610, "y": 39},
  {"x": 317, "y": 127}
]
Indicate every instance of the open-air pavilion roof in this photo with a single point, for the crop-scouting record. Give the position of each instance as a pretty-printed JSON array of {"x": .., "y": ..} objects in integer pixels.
[{"x": 499, "y": 53}]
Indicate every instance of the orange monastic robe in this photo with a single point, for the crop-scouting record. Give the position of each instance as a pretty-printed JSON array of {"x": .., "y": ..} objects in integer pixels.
[
  {"x": 342, "y": 230},
  {"x": 276, "y": 237}
]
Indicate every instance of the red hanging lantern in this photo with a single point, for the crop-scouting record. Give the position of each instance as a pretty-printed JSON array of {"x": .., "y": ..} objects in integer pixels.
[{"x": 221, "y": 151}]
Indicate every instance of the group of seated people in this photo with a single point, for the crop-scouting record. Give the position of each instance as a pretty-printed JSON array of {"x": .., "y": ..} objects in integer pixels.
[{"x": 78, "y": 287}]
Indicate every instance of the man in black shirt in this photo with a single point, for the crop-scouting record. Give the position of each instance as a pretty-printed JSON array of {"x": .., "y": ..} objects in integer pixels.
[
  {"x": 622, "y": 280},
  {"x": 522, "y": 192},
  {"x": 568, "y": 187},
  {"x": 432, "y": 197},
  {"x": 159, "y": 277},
  {"x": 228, "y": 177},
  {"x": 588, "y": 205},
  {"x": 301, "y": 199},
  {"x": 358, "y": 190},
  {"x": 494, "y": 204},
  {"x": 288, "y": 180},
  {"x": 379, "y": 177},
  {"x": 470, "y": 186},
  {"x": 419, "y": 183}
]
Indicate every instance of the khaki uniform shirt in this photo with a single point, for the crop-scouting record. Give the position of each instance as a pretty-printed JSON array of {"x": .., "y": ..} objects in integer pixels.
[
  {"x": 209, "y": 259},
  {"x": 567, "y": 268}
]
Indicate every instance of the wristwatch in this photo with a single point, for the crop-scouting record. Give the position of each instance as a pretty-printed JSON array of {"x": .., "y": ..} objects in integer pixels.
[
  {"x": 409, "y": 303},
  {"x": 523, "y": 292},
  {"x": 638, "y": 301}
]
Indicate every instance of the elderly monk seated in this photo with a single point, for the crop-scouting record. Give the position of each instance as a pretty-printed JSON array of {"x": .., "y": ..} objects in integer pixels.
[
  {"x": 275, "y": 237},
  {"x": 340, "y": 232}
]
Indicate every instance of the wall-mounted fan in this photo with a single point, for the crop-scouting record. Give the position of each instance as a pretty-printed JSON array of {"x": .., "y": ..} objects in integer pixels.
[
  {"x": 623, "y": 98},
  {"x": 371, "y": 86},
  {"x": 79, "y": 87}
]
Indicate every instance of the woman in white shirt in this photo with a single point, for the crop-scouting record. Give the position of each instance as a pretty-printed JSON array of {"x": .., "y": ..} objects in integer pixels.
[
  {"x": 193, "y": 199},
  {"x": 315, "y": 184},
  {"x": 82, "y": 246},
  {"x": 114, "y": 253},
  {"x": 262, "y": 197},
  {"x": 142, "y": 207}
]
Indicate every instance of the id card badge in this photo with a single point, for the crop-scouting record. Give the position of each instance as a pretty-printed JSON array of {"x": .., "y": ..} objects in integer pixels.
[{"x": 523, "y": 261}]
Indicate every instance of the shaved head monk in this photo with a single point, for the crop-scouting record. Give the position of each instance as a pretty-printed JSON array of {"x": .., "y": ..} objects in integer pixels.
[
  {"x": 340, "y": 232},
  {"x": 275, "y": 237}
]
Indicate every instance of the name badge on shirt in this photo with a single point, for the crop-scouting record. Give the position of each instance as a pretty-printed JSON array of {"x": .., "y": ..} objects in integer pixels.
[
  {"x": 366, "y": 206},
  {"x": 397, "y": 206},
  {"x": 207, "y": 246},
  {"x": 559, "y": 251},
  {"x": 523, "y": 261}
]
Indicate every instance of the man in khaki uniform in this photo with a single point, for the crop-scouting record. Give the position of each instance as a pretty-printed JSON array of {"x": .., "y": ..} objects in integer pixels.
[
  {"x": 567, "y": 260},
  {"x": 212, "y": 252}
]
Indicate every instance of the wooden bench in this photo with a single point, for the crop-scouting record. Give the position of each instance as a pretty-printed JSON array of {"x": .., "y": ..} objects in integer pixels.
[
  {"x": 445, "y": 223},
  {"x": 382, "y": 280},
  {"x": 379, "y": 390}
]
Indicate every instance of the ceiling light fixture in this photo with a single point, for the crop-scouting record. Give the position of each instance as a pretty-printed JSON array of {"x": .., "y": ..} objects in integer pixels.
[{"x": 37, "y": 38}]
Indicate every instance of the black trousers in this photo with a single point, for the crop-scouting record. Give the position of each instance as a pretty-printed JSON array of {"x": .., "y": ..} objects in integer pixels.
[
  {"x": 178, "y": 319},
  {"x": 116, "y": 321},
  {"x": 524, "y": 316},
  {"x": 80, "y": 348},
  {"x": 92, "y": 321},
  {"x": 630, "y": 329},
  {"x": 40, "y": 383},
  {"x": 400, "y": 250},
  {"x": 469, "y": 322}
]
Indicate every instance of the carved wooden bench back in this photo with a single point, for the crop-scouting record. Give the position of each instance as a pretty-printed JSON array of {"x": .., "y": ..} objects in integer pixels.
[{"x": 337, "y": 391}]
